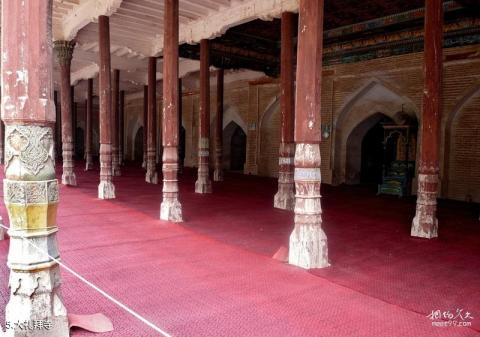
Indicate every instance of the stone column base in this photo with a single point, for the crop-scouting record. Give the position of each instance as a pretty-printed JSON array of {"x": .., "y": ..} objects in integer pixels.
[
  {"x": 69, "y": 178},
  {"x": 218, "y": 175},
  {"x": 285, "y": 197},
  {"x": 106, "y": 190},
  {"x": 151, "y": 177},
  {"x": 203, "y": 186},
  {"x": 308, "y": 247},
  {"x": 35, "y": 296},
  {"x": 171, "y": 210},
  {"x": 425, "y": 223},
  {"x": 116, "y": 171}
]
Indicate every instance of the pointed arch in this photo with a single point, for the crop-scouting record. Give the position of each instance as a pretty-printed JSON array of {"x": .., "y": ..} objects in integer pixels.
[
  {"x": 453, "y": 116},
  {"x": 374, "y": 97}
]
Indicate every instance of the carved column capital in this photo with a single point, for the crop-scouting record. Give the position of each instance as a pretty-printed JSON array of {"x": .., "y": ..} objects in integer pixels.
[{"x": 64, "y": 51}]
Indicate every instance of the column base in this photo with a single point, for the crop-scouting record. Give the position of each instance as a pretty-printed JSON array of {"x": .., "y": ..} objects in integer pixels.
[
  {"x": 203, "y": 186},
  {"x": 116, "y": 171},
  {"x": 218, "y": 175},
  {"x": 35, "y": 296},
  {"x": 69, "y": 178},
  {"x": 151, "y": 177},
  {"x": 171, "y": 210},
  {"x": 284, "y": 199},
  {"x": 144, "y": 164},
  {"x": 424, "y": 226},
  {"x": 308, "y": 247},
  {"x": 106, "y": 190},
  {"x": 88, "y": 166}
]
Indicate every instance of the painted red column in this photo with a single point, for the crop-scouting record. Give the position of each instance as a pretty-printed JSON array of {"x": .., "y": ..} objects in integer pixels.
[
  {"x": 145, "y": 125},
  {"x": 308, "y": 242},
  {"x": 285, "y": 197},
  {"x": 151, "y": 175},
  {"x": 88, "y": 126},
  {"x": 425, "y": 223},
  {"x": 121, "y": 126},
  {"x": 30, "y": 186},
  {"x": 203, "y": 183},
  {"x": 115, "y": 117},
  {"x": 170, "y": 209},
  {"x": 64, "y": 50},
  {"x": 106, "y": 189},
  {"x": 58, "y": 127},
  {"x": 218, "y": 173}
]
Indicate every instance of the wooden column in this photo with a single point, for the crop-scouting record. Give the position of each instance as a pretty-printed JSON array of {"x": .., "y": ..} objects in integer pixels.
[
  {"x": 145, "y": 125},
  {"x": 170, "y": 209},
  {"x": 218, "y": 173},
  {"x": 203, "y": 183},
  {"x": 308, "y": 242},
  {"x": 285, "y": 197},
  {"x": 151, "y": 175},
  {"x": 64, "y": 50},
  {"x": 115, "y": 117},
  {"x": 88, "y": 126},
  {"x": 58, "y": 126},
  {"x": 425, "y": 223},
  {"x": 74, "y": 120},
  {"x": 31, "y": 189},
  {"x": 106, "y": 189},
  {"x": 181, "y": 141},
  {"x": 121, "y": 127}
]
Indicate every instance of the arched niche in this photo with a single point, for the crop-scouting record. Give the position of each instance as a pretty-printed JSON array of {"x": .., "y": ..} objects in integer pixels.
[
  {"x": 269, "y": 140},
  {"x": 374, "y": 97}
]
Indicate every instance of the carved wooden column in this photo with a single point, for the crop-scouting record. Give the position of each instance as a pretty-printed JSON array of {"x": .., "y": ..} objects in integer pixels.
[
  {"x": 121, "y": 126},
  {"x": 64, "y": 51},
  {"x": 170, "y": 209},
  {"x": 151, "y": 175},
  {"x": 88, "y": 126},
  {"x": 218, "y": 173},
  {"x": 30, "y": 186},
  {"x": 425, "y": 223},
  {"x": 115, "y": 117},
  {"x": 308, "y": 242},
  {"x": 285, "y": 197},
  {"x": 58, "y": 127},
  {"x": 203, "y": 183},
  {"x": 145, "y": 125},
  {"x": 2, "y": 145},
  {"x": 106, "y": 189}
]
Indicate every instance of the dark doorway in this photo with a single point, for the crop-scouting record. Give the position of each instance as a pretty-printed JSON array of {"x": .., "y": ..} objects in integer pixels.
[
  {"x": 79, "y": 143},
  {"x": 138, "y": 149},
  {"x": 238, "y": 149},
  {"x": 372, "y": 154}
]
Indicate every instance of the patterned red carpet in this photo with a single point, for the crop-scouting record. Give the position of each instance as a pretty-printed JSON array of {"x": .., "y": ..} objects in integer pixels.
[{"x": 213, "y": 275}]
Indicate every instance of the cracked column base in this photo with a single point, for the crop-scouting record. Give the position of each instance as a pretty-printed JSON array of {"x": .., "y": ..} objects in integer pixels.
[
  {"x": 151, "y": 177},
  {"x": 218, "y": 175},
  {"x": 308, "y": 247},
  {"x": 171, "y": 210},
  {"x": 69, "y": 178},
  {"x": 285, "y": 198},
  {"x": 106, "y": 190},
  {"x": 203, "y": 186}
]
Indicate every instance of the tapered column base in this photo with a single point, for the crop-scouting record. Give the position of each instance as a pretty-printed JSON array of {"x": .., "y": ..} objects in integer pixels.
[
  {"x": 218, "y": 175},
  {"x": 308, "y": 247},
  {"x": 151, "y": 177},
  {"x": 203, "y": 186},
  {"x": 69, "y": 178},
  {"x": 425, "y": 223},
  {"x": 106, "y": 190},
  {"x": 285, "y": 197},
  {"x": 35, "y": 296},
  {"x": 171, "y": 210}
]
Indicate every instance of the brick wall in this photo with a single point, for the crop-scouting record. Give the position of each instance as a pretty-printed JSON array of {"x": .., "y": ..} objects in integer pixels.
[{"x": 351, "y": 94}]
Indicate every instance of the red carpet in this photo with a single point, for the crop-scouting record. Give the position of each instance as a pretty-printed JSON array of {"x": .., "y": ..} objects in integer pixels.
[{"x": 213, "y": 275}]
